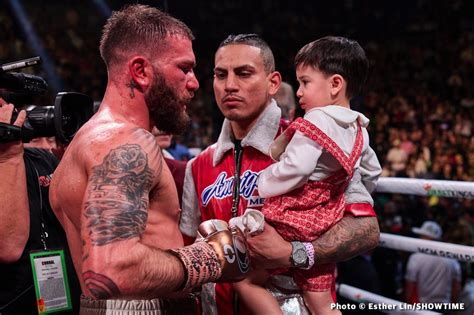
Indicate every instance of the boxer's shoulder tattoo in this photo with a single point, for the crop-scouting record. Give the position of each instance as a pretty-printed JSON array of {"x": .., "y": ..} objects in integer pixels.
[
  {"x": 100, "y": 286},
  {"x": 117, "y": 201},
  {"x": 150, "y": 145},
  {"x": 350, "y": 237}
]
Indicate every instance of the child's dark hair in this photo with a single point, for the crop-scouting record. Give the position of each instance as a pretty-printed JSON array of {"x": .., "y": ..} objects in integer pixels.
[{"x": 337, "y": 55}]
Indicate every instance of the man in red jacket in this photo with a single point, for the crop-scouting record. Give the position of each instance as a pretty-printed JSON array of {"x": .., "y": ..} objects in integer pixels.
[{"x": 245, "y": 82}]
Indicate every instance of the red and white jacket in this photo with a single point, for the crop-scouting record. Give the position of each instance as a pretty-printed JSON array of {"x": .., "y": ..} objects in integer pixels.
[{"x": 208, "y": 188}]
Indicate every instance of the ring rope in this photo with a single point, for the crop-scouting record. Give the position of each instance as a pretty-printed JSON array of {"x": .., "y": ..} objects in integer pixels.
[
  {"x": 419, "y": 187},
  {"x": 459, "y": 252},
  {"x": 425, "y": 187}
]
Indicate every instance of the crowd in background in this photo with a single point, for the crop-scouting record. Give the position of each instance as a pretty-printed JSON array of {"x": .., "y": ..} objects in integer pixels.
[{"x": 419, "y": 96}]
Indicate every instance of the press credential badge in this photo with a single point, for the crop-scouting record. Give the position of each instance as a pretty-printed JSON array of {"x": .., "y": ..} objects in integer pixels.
[{"x": 51, "y": 283}]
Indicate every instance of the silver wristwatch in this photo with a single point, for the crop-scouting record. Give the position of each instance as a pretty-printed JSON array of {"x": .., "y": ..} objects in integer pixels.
[{"x": 299, "y": 257}]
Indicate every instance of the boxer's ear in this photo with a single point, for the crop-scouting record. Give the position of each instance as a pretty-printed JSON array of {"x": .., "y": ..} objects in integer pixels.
[{"x": 141, "y": 73}]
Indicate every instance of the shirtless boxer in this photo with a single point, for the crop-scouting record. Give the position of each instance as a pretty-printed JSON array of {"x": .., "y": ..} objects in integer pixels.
[{"x": 114, "y": 194}]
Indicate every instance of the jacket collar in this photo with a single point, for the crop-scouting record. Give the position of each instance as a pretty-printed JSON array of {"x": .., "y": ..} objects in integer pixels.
[
  {"x": 260, "y": 136},
  {"x": 342, "y": 115}
]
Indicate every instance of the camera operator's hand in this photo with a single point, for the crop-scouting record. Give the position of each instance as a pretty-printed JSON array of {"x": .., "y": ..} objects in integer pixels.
[
  {"x": 12, "y": 149},
  {"x": 14, "y": 208}
]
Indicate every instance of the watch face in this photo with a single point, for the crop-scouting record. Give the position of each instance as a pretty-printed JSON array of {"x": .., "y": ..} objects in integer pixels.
[{"x": 299, "y": 257}]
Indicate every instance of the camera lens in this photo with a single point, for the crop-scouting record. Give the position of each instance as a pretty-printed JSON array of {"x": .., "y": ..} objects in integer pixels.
[
  {"x": 41, "y": 120},
  {"x": 71, "y": 111},
  {"x": 69, "y": 122}
]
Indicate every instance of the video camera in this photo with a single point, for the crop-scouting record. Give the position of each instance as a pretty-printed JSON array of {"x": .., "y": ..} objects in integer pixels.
[{"x": 62, "y": 120}]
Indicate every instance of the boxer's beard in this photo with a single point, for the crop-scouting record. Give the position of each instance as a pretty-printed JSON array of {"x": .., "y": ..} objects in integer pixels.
[{"x": 165, "y": 107}]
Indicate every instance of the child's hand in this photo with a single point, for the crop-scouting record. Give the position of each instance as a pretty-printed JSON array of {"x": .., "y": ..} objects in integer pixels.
[{"x": 251, "y": 222}]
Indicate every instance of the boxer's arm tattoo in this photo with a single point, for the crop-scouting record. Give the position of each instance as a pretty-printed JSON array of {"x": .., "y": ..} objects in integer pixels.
[
  {"x": 118, "y": 195},
  {"x": 350, "y": 237},
  {"x": 100, "y": 286}
]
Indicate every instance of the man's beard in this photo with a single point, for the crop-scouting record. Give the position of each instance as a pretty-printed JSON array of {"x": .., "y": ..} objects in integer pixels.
[{"x": 165, "y": 108}]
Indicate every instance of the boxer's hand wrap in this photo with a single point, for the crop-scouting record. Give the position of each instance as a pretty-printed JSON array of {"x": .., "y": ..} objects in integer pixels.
[
  {"x": 201, "y": 264},
  {"x": 219, "y": 255}
]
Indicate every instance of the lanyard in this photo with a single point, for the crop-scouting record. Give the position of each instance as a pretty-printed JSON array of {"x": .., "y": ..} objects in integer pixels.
[
  {"x": 44, "y": 233},
  {"x": 235, "y": 203},
  {"x": 237, "y": 164}
]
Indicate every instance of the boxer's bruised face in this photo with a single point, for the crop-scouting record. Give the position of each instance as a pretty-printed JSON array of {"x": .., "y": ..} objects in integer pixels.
[{"x": 173, "y": 86}]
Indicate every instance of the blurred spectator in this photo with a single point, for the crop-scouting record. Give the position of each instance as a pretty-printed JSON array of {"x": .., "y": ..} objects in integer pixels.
[
  {"x": 429, "y": 278},
  {"x": 397, "y": 159},
  {"x": 457, "y": 222},
  {"x": 285, "y": 98},
  {"x": 391, "y": 220},
  {"x": 178, "y": 150},
  {"x": 177, "y": 167},
  {"x": 164, "y": 141},
  {"x": 460, "y": 230}
]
